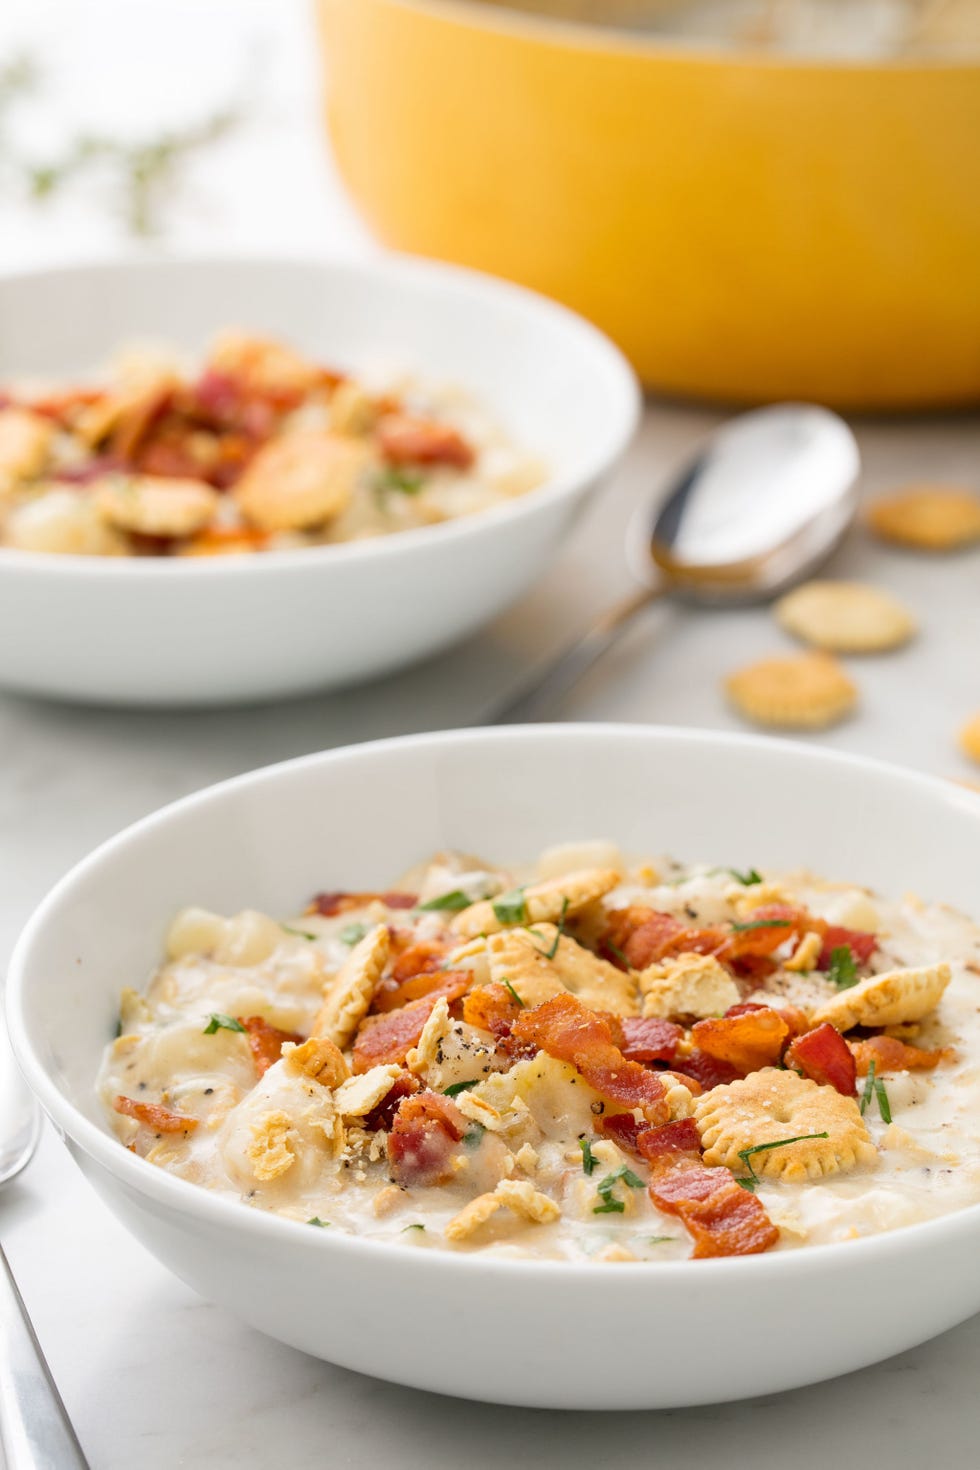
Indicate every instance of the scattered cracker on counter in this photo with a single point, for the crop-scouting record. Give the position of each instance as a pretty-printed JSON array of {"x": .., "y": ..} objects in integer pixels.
[
  {"x": 927, "y": 517},
  {"x": 806, "y": 691},
  {"x": 845, "y": 617}
]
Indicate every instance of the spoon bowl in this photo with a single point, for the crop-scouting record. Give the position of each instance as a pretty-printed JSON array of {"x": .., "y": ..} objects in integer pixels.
[{"x": 763, "y": 504}]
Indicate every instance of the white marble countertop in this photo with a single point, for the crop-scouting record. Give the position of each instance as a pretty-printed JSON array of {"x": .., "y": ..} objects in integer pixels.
[{"x": 153, "y": 1376}]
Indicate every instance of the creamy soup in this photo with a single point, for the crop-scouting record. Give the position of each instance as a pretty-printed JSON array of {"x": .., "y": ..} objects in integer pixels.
[
  {"x": 589, "y": 1058},
  {"x": 258, "y": 448}
]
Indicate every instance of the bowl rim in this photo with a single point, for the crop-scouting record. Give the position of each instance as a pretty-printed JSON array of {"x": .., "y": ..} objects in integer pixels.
[
  {"x": 172, "y": 1193},
  {"x": 394, "y": 267},
  {"x": 586, "y": 35}
]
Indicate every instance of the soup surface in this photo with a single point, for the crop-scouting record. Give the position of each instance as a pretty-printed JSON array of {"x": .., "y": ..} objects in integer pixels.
[
  {"x": 256, "y": 449},
  {"x": 588, "y": 1058}
]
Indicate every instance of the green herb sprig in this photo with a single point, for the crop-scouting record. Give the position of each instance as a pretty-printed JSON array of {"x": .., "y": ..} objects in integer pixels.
[
  {"x": 218, "y": 1022},
  {"x": 510, "y": 908},
  {"x": 299, "y": 933},
  {"x": 398, "y": 480},
  {"x": 450, "y": 903},
  {"x": 761, "y": 924},
  {"x": 315, "y": 1220},
  {"x": 746, "y": 1155},
  {"x": 455, "y": 1088},
  {"x": 589, "y": 1159},
  {"x": 552, "y": 950},
  {"x": 352, "y": 934},
  {"x": 513, "y": 993},
  {"x": 610, "y": 1204},
  {"x": 875, "y": 1086},
  {"x": 842, "y": 970}
]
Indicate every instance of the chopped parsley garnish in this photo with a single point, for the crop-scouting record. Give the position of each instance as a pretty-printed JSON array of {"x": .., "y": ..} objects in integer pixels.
[
  {"x": 219, "y": 1022},
  {"x": 842, "y": 970},
  {"x": 447, "y": 903},
  {"x": 589, "y": 1159},
  {"x": 118, "y": 1031},
  {"x": 405, "y": 482},
  {"x": 550, "y": 953},
  {"x": 317, "y": 1221},
  {"x": 299, "y": 933},
  {"x": 659, "y": 1239},
  {"x": 747, "y": 880},
  {"x": 352, "y": 934},
  {"x": 514, "y": 995},
  {"x": 762, "y": 924},
  {"x": 610, "y": 1204},
  {"x": 875, "y": 1087},
  {"x": 510, "y": 908},
  {"x": 457, "y": 1087},
  {"x": 745, "y": 1154},
  {"x": 473, "y": 1135},
  {"x": 406, "y": 1228},
  {"x": 618, "y": 954}
]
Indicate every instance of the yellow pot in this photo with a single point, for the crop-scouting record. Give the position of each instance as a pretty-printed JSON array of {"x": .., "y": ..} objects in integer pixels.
[{"x": 746, "y": 227}]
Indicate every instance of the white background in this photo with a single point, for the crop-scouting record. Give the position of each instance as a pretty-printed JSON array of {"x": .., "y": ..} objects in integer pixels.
[{"x": 153, "y": 1376}]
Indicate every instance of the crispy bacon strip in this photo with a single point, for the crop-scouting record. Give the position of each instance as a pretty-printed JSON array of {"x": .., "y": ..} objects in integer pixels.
[
  {"x": 891, "y": 1055},
  {"x": 450, "y": 983},
  {"x": 748, "y": 1041},
  {"x": 646, "y": 1039},
  {"x": 154, "y": 1116},
  {"x": 706, "y": 1071},
  {"x": 390, "y": 1037},
  {"x": 722, "y": 1218},
  {"x": 681, "y": 1136},
  {"x": 328, "y": 905},
  {"x": 419, "y": 959},
  {"x": 407, "y": 439},
  {"x": 824, "y": 1056},
  {"x": 491, "y": 1008},
  {"x": 567, "y": 1030},
  {"x": 423, "y": 1137},
  {"x": 266, "y": 1042},
  {"x": 645, "y": 937}
]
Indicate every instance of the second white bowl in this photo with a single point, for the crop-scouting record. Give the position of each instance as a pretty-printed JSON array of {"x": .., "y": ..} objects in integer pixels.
[{"x": 208, "y": 631}]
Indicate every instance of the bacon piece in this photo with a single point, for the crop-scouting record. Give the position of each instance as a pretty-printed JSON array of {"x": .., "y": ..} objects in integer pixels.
[
  {"x": 646, "y": 1039},
  {"x": 449, "y": 983},
  {"x": 641, "y": 935},
  {"x": 749, "y": 1041},
  {"x": 706, "y": 1071},
  {"x": 390, "y": 1037},
  {"x": 765, "y": 930},
  {"x": 63, "y": 406},
  {"x": 722, "y": 1218},
  {"x": 418, "y": 959},
  {"x": 328, "y": 905},
  {"x": 423, "y": 1137},
  {"x": 154, "y": 1116},
  {"x": 407, "y": 439},
  {"x": 383, "y": 1114},
  {"x": 679, "y": 1137},
  {"x": 266, "y": 1042},
  {"x": 567, "y": 1030},
  {"x": 861, "y": 945},
  {"x": 891, "y": 1055},
  {"x": 824, "y": 1056},
  {"x": 491, "y": 1008}
]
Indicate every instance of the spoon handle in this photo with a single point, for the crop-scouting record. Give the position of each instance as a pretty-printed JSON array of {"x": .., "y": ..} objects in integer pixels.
[
  {"x": 35, "y": 1430},
  {"x": 547, "y": 688}
]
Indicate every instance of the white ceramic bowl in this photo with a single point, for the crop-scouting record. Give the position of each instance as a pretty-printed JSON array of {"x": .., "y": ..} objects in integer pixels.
[
  {"x": 547, "y": 1334},
  {"x": 213, "y": 630}
]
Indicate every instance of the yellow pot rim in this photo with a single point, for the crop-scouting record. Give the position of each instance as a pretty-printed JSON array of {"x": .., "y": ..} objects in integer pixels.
[{"x": 579, "y": 35}]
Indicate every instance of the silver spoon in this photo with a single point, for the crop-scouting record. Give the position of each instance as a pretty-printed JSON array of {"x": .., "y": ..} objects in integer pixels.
[
  {"x": 35, "y": 1430},
  {"x": 763, "y": 504}
]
